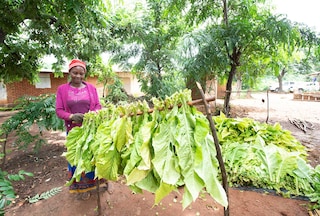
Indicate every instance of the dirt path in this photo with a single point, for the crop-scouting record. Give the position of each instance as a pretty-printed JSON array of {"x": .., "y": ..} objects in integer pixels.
[
  {"x": 281, "y": 107},
  {"x": 49, "y": 168}
]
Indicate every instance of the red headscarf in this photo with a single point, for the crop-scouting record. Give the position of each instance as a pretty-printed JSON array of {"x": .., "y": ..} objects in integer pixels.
[{"x": 77, "y": 62}]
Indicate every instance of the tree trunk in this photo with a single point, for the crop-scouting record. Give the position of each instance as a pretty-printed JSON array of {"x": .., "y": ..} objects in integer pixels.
[
  {"x": 280, "y": 79},
  {"x": 229, "y": 90},
  {"x": 2, "y": 35},
  {"x": 234, "y": 62},
  {"x": 280, "y": 84},
  {"x": 104, "y": 88}
]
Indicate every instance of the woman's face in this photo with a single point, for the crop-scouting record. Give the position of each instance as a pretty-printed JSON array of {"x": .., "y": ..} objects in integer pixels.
[{"x": 77, "y": 74}]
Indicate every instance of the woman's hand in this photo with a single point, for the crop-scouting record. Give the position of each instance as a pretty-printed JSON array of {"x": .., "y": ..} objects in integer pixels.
[{"x": 76, "y": 118}]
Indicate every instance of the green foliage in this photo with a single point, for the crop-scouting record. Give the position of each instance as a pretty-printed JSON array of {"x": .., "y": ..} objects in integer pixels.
[
  {"x": 116, "y": 93},
  {"x": 246, "y": 129},
  {"x": 162, "y": 87},
  {"x": 33, "y": 111},
  {"x": 7, "y": 193},
  {"x": 315, "y": 195},
  {"x": 150, "y": 36},
  {"x": 240, "y": 40},
  {"x": 104, "y": 72},
  {"x": 111, "y": 82},
  {"x": 31, "y": 29},
  {"x": 266, "y": 156},
  {"x": 45, "y": 195},
  {"x": 1, "y": 134}
]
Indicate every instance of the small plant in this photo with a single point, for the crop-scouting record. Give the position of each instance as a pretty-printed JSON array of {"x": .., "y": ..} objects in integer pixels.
[
  {"x": 2, "y": 140},
  {"x": 116, "y": 92},
  {"x": 7, "y": 194},
  {"x": 33, "y": 111},
  {"x": 45, "y": 195},
  {"x": 315, "y": 195}
]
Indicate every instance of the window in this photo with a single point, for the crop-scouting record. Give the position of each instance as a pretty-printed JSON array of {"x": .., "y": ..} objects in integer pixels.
[
  {"x": 3, "y": 91},
  {"x": 44, "y": 81}
]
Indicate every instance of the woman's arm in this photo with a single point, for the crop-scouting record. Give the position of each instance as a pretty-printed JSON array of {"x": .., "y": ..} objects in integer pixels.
[{"x": 61, "y": 110}]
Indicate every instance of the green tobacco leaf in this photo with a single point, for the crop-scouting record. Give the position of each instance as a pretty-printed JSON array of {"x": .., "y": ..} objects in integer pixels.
[
  {"x": 165, "y": 161},
  {"x": 136, "y": 175},
  {"x": 210, "y": 179},
  {"x": 140, "y": 157},
  {"x": 185, "y": 141},
  {"x": 187, "y": 151},
  {"x": 107, "y": 165},
  {"x": 79, "y": 170},
  {"x": 287, "y": 164},
  {"x": 146, "y": 135},
  {"x": 149, "y": 183},
  {"x": 163, "y": 191},
  {"x": 71, "y": 143},
  {"x": 235, "y": 153},
  {"x": 193, "y": 184},
  {"x": 187, "y": 198},
  {"x": 121, "y": 132},
  {"x": 270, "y": 158},
  {"x": 134, "y": 157},
  {"x": 304, "y": 170},
  {"x": 102, "y": 138},
  {"x": 201, "y": 131}
]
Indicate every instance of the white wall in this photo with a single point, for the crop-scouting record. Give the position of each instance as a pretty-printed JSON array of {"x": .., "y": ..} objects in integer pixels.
[{"x": 3, "y": 92}]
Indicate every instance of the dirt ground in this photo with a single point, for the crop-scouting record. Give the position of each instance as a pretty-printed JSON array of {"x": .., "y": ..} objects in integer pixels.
[{"x": 50, "y": 171}]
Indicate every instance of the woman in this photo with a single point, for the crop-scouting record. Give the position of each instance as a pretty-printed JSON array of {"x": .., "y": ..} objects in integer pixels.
[{"x": 73, "y": 100}]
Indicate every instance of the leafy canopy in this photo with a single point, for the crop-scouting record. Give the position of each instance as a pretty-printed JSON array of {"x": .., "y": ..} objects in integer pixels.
[{"x": 31, "y": 29}]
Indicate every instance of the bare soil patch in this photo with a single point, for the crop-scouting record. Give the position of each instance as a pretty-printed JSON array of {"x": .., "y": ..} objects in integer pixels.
[{"x": 50, "y": 171}]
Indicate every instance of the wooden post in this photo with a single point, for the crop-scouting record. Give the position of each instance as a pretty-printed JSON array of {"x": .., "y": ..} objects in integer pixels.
[
  {"x": 267, "y": 107},
  {"x": 98, "y": 195},
  {"x": 216, "y": 143}
]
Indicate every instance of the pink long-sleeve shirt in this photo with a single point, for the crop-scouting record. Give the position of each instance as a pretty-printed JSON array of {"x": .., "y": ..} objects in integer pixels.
[{"x": 63, "y": 111}]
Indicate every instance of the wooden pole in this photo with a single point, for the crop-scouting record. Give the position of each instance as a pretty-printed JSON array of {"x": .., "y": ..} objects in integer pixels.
[
  {"x": 216, "y": 143},
  {"x": 98, "y": 195},
  {"x": 267, "y": 107}
]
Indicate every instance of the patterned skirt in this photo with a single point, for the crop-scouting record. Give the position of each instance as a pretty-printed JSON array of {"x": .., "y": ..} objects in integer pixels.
[{"x": 86, "y": 183}]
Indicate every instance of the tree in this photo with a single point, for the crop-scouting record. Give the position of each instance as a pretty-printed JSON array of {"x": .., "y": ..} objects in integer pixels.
[
  {"x": 31, "y": 29},
  {"x": 105, "y": 73},
  {"x": 110, "y": 80},
  {"x": 149, "y": 38},
  {"x": 234, "y": 37},
  {"x": 297, "y": 57}
]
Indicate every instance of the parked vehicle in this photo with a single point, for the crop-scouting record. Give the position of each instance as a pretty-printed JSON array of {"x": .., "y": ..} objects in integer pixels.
[
  {"x": 308, "y": 87},
  {"x": 287, "y": 86}
]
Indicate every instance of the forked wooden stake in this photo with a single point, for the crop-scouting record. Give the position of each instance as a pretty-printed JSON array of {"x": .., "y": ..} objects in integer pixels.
[{"x": 216, "y": 143}]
